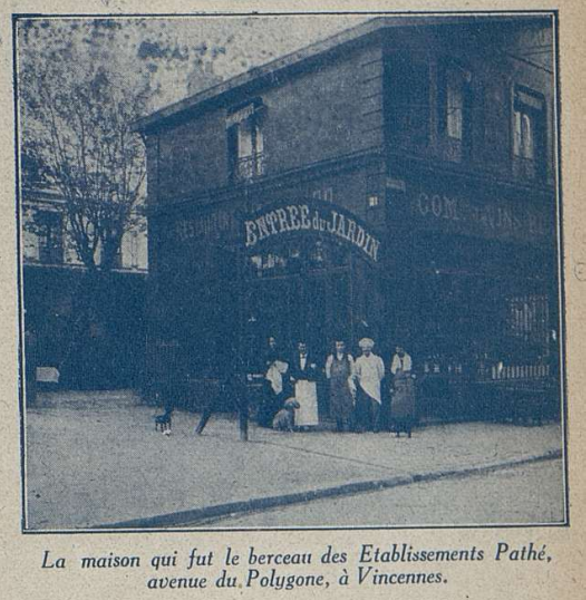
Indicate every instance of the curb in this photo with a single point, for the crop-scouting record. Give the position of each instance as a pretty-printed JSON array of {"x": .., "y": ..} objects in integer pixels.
[{"x": 193, "y": 516}]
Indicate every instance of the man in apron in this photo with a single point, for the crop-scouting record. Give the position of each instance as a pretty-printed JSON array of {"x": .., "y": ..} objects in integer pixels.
[
  {"x": 340, "y": 373},
  {"x": 303, "y": 373}
]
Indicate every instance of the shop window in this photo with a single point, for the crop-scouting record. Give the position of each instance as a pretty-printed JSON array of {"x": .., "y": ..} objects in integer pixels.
[
  {"x": 528, "y": 134},
  {"x": 246, "y": 143},
  {"x": 49, "y": 231}
]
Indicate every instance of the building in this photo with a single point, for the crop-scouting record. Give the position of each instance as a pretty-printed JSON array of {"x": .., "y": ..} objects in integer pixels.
[
  {"x": 396, "y": 180},
  {"x": 105, "y": 349}
]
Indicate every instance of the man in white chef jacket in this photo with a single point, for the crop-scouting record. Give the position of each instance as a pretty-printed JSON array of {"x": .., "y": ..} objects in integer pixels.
[{"x": 369, "y": 371}]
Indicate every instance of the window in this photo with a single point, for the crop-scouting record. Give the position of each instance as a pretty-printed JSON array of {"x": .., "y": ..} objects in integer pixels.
[
  {"x": 454, "y": 104},
  {"x": 49, "y": 230},
  {"x": 245, "y": 142},
  {"x": 528, "y": 133},
  {"x": 408, "y": 94},
  {"x": 455, "y": 100}
]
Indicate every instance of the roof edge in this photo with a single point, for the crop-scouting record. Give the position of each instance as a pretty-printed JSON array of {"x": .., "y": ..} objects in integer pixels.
[{"x": 316, "y": 48}]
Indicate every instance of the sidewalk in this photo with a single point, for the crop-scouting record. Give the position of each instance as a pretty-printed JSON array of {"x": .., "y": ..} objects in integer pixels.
[{"x": 96, "y": 460}]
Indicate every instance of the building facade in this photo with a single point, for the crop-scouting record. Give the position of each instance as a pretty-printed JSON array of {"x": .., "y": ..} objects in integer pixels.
[
  {"x": 105, "y": 348},
  {"x": 396, "y": 180}
]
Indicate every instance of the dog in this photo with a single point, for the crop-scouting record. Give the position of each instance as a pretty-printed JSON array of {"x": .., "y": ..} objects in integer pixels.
[
  {"x": 163, "y": 422},
  {"x": 285, "y": 419}
]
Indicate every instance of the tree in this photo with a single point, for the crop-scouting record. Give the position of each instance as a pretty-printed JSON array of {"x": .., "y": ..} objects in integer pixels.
[{"x": 81, "y": 132}]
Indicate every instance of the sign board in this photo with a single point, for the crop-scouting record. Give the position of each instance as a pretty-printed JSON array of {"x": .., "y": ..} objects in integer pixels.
[
  {"x": 310, "y": 217},
  {"x": 488, "y": 217}
]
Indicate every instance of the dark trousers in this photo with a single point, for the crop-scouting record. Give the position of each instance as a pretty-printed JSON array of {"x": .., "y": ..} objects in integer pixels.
[{"x": 368, "y": 413}]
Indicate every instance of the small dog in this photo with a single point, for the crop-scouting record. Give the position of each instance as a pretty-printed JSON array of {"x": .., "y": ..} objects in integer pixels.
[
  {"x": 163, "y": 422},
  {"x": 285, "y": 418}
]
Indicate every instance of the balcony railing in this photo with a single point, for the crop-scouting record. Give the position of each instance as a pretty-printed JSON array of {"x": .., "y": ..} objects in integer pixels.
[{"x": 249, "y": 167}]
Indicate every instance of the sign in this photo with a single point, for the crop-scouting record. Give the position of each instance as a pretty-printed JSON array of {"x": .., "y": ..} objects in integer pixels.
[
  {"x": 321, "y": 218},
  {"x": 486, "y": 217},
  {"x": 217, "y": 225}
]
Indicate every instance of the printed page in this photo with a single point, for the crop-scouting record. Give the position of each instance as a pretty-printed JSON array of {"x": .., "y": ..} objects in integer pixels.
[{"x": 292, "y": 299}]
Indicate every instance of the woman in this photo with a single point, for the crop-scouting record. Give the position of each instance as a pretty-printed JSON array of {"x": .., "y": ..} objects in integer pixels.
[
  {"x": 403, "y": 393},
  {"x": 275, "y": 388},
  {"x": 340, "y": 373}
]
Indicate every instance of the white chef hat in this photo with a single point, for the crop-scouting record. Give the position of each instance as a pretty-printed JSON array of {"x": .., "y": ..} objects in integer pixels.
[{"x": 366, "y": 343}]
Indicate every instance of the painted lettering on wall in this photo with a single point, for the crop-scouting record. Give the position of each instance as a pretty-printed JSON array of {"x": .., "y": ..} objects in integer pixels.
[
  {"x": 318, "y": 219},
  {"x": 211, "y": 226},
  {"x": 496, "y": 217}
]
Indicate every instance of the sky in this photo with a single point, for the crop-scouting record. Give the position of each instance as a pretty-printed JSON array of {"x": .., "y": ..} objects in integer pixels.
[{"x": 182, "y": 55}]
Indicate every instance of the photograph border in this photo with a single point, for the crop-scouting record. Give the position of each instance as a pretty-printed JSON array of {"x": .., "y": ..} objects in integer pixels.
[{"x": 561, "y": 265}]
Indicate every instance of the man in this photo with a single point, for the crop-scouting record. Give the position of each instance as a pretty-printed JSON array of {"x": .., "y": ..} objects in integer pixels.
[
  {"x": 340, "y": 372},
  {"x": 303, "y": 374},
  {"x": 369, "y": 371},
  {"x": 403, "y": 392}
]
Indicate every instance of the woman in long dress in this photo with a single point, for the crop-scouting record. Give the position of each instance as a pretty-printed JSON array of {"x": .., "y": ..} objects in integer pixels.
[
  {"x": 275, "y": 386},
  {"x": 340, "y": 373},
  {"x": 403, "y": 393}
]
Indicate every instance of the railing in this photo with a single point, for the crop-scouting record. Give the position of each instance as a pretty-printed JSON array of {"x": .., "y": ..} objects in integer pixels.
[{"x": 249, "y": 167}]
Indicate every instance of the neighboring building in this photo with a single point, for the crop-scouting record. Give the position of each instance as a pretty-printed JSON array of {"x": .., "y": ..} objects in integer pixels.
[
  {"x": 107, "y": 349},
  {"x": 396, "y": 180}
]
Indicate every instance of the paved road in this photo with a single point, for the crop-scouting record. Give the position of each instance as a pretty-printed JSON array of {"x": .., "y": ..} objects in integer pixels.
[
  {"x": 531, "y": 493},
  {"x": 96, "y": 459}
]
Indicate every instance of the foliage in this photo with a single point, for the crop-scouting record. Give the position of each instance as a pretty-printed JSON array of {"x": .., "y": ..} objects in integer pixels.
[{"x": 76, "y": 118}]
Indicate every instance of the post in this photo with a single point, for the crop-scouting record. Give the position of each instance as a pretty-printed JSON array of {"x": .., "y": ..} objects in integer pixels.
[{"x": 242, "y": 360}]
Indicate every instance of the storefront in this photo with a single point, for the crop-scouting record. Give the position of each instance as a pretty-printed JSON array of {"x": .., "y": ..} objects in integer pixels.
[
  {"x": 477, "y": 293},
  {"x": 226, "y": 280}
]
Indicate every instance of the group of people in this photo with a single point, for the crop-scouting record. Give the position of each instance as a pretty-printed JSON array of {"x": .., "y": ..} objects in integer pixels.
[{"x": 355, "y": 388}]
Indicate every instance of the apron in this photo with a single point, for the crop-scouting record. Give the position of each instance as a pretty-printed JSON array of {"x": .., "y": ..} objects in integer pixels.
[
  {"x": 341, "y": 401},
  {"x": 306, "y": 394}
]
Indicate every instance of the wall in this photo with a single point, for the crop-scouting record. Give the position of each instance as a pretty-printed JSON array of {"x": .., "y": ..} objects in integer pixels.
[
  {"x": 498, "y": 58},
  {"x": 332, "y": 109}
]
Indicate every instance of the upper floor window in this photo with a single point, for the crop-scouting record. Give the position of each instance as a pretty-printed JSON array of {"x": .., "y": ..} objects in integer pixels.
[
  {"x": 528, "y": 133},
  {"x": 245, "y": 142},
  {"x": 408, "y": 99},
  {"x": 455, "y": 105}
]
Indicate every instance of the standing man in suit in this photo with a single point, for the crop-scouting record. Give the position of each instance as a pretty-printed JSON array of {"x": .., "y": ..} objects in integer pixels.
[{"x": 304, "y": 373}]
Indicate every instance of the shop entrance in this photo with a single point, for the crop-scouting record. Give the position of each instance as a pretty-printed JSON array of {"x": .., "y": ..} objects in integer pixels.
[
  {"x": 311, "y": 273},
  {"x": 299, "y": 292},
  {"x": 312, "y": 307}
]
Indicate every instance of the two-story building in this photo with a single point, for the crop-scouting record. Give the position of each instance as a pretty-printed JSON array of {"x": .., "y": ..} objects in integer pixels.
[
  {"x": 105, "y": 348},
  {"x": 396, "y": 180}
]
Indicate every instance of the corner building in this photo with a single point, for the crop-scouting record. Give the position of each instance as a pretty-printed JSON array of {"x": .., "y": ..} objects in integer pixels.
[{"x": 396, "y": 180}]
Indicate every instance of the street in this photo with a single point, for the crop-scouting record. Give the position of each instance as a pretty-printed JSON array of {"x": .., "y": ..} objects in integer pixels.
[
  {"x": 503, "y": 496},
  {"x": 96, "y": 460}
]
